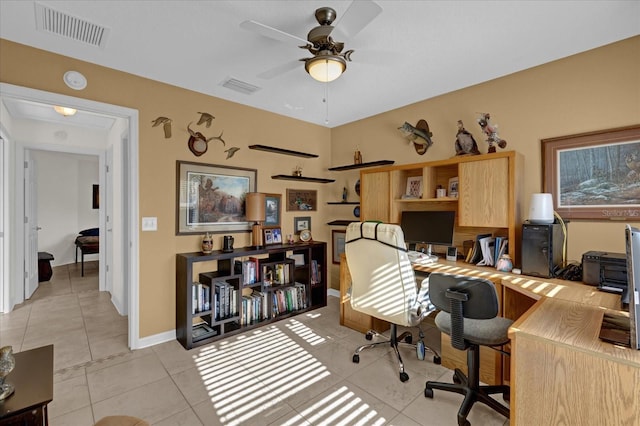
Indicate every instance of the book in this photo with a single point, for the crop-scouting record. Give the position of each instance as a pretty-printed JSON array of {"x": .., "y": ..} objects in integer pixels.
[
  {"x": 477, "y": 250},
  {"x": 487, "y": 245}
]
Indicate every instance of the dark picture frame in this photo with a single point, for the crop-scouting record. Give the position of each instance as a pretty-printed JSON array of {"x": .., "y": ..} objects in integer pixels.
[
  {"x": 594, "y": 175},
  {"x": 300, "y": 223},
  {"x": 302, "y": 200},
  {"x": 211, "y": 198},
  {"x": 273, "y": 210},
  {"x": 337, "y": 244},
  {"x": 95, "y": 199}
]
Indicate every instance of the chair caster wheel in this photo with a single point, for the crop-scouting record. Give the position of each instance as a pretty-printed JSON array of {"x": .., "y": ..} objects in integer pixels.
[
  {"x": 356, "y": 358},
  {"x": 404, "y": 377},
  {"x": 368, "y": 336},
  {"x": 437, "y": 360},
  {"x": 428, "y": 393},
  {"x": 408, "y": 339}
]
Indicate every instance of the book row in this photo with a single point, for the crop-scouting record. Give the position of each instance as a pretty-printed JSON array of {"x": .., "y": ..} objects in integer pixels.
[{"x": 255, "y": 306}]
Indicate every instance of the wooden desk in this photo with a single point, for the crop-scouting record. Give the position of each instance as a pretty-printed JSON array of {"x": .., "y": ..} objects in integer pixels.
[
  {"x": 32, "y": 378},
  {"x": 562, "y": 373}
]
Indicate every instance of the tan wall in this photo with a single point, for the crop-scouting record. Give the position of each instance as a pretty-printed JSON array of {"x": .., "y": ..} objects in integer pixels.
[
  {"x": 595, "y": 90},
  {"x": 243, "y": 126}
]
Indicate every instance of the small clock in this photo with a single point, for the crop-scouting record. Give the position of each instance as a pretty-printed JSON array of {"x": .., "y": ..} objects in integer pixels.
[{"x": 305, "y": 235}]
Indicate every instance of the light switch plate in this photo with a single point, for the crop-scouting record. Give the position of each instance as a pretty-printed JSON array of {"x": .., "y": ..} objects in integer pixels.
[{"x": 149, "y": 223}]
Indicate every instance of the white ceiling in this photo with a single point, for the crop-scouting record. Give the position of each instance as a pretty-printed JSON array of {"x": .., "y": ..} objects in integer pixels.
[{"x": 413, "y": 50}]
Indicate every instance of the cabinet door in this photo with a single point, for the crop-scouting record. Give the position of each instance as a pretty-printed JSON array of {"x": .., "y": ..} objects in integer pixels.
[
  {"x": 375, "y": 196},
  {"x": 484, "y": 193}
]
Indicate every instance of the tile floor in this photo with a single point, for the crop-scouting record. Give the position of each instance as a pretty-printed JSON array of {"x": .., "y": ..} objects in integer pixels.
[{"x": 294, "y": 372}]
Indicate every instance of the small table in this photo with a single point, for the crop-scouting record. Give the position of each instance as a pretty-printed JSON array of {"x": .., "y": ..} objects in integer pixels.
[{"x": 32, "y": 378}]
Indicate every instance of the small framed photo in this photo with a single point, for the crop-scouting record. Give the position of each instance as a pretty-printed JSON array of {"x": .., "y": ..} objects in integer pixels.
[
  {"x": 414, "y": 187},
  {"x": 272, "y": 236},
  {"x": 301, "y": 223},
  {"x": 338, "y": 242},
  {"x": 453, "y": 187}
]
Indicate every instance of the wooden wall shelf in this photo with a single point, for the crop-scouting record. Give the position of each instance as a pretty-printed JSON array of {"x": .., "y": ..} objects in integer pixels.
[
  {"x": 345, "y": 203},
  {"x": 341, "y": 222},
  {"x": 282, "y": 151},
  {"x": 302, "y": 178},
  {"x": 362, "y": 165}
]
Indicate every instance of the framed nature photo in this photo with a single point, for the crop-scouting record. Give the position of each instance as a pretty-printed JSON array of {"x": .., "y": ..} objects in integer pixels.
[
  {"x": 273, "y": 210},
  {"x": 301, "y": 223},
  {"x": 211, "y": 198},
  {"x": 302, "y": 199},
  {"x": 337, "y": 244},
  {"x": 595, "y": 175}
]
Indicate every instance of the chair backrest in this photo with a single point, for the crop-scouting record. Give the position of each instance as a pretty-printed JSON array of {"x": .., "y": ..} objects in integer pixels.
[
  {"x": 383, "y": 283},
  {"x": 463, "y": 297}
]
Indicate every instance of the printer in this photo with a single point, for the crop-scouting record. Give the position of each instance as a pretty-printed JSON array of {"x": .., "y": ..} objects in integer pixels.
[{"x": 606, "y": 270}]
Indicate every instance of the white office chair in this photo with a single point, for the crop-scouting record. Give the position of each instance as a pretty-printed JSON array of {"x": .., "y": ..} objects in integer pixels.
[{"x": 384, "y": 285}]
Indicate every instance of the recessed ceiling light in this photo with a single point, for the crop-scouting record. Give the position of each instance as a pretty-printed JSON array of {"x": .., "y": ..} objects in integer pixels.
[{"x": 75, "y": 80}]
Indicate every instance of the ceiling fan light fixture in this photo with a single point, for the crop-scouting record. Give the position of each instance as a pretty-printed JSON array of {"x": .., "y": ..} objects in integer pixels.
[
  {"x": 325, "y": 68},
  {"x": 65, "y": 111}
]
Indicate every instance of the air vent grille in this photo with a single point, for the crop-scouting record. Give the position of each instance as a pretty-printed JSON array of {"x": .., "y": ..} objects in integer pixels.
[
  {"x": 55, "y": 22},
  {"x": 240, "y": 86}
]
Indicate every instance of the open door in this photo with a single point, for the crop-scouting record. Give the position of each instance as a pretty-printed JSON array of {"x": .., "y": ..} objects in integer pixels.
[{"x": 30, "y": 226}]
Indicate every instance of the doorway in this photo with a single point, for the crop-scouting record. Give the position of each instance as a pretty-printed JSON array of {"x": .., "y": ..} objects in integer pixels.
[{"x": 126, "y": 149}]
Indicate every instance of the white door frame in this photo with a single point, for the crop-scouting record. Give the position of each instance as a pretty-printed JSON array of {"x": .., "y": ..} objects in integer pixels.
[{"x": 131, "y": 191}]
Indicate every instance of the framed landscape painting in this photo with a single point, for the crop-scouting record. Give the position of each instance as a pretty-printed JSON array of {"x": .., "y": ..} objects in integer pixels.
[
  {"x": 211, "y": 198},
  {"x": 595, "y": 175}
]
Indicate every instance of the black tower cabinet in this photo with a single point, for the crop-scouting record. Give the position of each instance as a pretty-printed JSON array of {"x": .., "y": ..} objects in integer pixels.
[{"x": 541, "y": 249}]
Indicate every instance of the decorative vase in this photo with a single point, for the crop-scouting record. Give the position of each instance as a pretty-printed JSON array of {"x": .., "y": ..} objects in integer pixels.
[
  {"x": 7, "y": 363},
  {"x": 207, "y": 244},
  {"x": 504, "y": 263}
]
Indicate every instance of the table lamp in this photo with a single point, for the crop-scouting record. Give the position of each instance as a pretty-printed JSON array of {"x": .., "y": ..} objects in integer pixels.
[{"x": 255, "y": 212}]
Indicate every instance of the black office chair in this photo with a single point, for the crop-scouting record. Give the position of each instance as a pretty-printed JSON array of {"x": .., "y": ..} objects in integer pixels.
[{"x": 469, "y": 309}]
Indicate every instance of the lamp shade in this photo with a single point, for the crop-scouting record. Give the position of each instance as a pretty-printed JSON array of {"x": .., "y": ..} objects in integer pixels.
[
  {"x": 255, "y": 207},
  {"x": 541, "y": 208},
  {"x": 325, "y": 68}
]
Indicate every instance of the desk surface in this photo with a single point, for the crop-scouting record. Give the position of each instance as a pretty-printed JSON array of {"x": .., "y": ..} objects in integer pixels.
[
  {"x": 535, "y": 288},
  {"x": 32, "y": 379}
]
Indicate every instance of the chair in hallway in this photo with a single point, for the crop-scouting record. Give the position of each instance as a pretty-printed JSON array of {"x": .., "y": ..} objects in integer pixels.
[
  {"x": 468, "y": 313},
  {"x": 384, "y": 286}
]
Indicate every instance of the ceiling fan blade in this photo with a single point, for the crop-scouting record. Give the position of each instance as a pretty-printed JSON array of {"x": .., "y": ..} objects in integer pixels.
[
  {"x": 279, "y": 70},
  {"x": 355, "y": 18},
  {"x": 273, "y": 33}
]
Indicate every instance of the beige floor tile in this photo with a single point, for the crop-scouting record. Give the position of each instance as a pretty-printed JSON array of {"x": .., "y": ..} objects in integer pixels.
[
  {"x": 103, "y": 347},
  {"x": 70, "y": 395},
  {"x": 80, "y": 417},
  {"x": 346, "y": 404},
  {"x": 153, "y": 402},
  {"x": 121, "y": 378},
  {"x": 187, "y": 417},
  {"x": 175, "y": 358}
]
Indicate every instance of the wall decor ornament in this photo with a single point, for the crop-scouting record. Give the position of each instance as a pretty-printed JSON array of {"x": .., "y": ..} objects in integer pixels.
[
  {"x": 465, "y": 143},
  {"x": 419, "y": 136},
  {"x": 301, "y": 223},
  {"x": 491, "y": 130},
  {"x": 594, "y": 175},
  {"x": 211, "y": 198}
]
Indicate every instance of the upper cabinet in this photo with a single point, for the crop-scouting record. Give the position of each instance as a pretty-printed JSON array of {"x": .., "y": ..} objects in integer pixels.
[{"x": 488, "y": 194}]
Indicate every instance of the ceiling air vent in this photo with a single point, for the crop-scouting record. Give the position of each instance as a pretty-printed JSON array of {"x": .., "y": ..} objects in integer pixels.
[
  {"x": 55, "y": 22},
  {"x": 240, "y": 86}
]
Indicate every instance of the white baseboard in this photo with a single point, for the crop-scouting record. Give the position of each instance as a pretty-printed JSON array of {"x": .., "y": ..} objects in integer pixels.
[
  {"x": 156, "y": 339},
  {"x": 333, "y": 292}
]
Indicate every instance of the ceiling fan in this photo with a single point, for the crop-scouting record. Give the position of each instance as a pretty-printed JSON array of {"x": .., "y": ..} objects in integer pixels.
[{"x": 328, "y": 61}]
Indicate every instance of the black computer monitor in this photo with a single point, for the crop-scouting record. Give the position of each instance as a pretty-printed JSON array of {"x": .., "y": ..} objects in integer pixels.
[{"x": 433, "y": 227}]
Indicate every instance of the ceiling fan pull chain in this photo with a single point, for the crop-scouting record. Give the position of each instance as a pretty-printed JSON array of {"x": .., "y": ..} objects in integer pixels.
[{"x": 326, "y": 101}]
